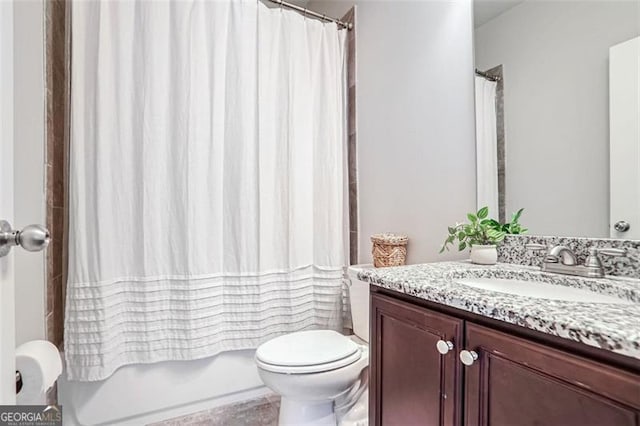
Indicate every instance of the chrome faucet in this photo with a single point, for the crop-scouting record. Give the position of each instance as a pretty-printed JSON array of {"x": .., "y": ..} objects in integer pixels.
[
  {"x": 562, "y": 255},
  {"x": 562, "y": 260}
]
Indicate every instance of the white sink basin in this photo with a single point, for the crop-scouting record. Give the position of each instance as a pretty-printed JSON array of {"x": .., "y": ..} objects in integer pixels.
[{"x": 540, "y": 290}]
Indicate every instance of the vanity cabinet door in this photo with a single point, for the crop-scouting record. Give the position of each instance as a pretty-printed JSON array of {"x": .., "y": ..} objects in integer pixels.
[
  {"x": 411, "y": 382},
  {"x": 518, "y": 382}
]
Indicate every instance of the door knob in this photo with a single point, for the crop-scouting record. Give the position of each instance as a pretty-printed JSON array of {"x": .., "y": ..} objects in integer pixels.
[
  {"x": 444, "y": 346},
  {"x": 468, "y": 357},
  {"x": 31, "y": 238},
  {"x": 621, "y": 226}
]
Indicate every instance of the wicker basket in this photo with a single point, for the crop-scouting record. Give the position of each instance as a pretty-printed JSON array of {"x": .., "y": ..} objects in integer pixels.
[{"x": 389, "y": 249}]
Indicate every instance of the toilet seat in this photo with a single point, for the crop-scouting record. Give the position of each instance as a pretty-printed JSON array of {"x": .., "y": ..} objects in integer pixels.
[
  {"x": 308, "y": 369},
  {"x": 307, "y": 352}
]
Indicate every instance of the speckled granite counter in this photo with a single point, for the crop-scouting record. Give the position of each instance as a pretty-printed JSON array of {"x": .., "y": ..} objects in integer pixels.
[{"x": 614, "y": 327}]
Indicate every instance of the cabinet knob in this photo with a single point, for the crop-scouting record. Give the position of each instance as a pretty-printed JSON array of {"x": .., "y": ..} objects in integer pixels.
[
  {"x": 622, "y": 226},
  {"x": 444, "y": 346},
  {"x": 468, "y": 357}
]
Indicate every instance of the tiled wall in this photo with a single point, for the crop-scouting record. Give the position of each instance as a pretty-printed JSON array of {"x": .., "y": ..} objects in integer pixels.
[
  {"x": 57, "y": 96},
  {"x": 352, "y": 154}
]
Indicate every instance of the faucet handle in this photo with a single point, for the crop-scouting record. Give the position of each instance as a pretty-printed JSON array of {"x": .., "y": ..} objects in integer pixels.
[
  {"x": 609, "y": 251},
  {"x": 535, "y": 247},
  {"x": 593, "y": 261}
]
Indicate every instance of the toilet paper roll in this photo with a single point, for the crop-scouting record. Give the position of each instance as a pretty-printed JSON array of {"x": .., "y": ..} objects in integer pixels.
[{"x": 40, "y": 365}]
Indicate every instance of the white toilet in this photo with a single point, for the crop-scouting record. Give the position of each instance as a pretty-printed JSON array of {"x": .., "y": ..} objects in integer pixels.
[{"x": 319, "y": 374}]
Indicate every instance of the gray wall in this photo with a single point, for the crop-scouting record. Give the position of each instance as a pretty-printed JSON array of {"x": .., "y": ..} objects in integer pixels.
[
  {"x": 555, "y": 56},
  {"x": 415, "y": 114}
]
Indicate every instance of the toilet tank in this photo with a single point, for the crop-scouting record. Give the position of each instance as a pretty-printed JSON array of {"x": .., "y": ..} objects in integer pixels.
[{"x": 359, "y": 300}]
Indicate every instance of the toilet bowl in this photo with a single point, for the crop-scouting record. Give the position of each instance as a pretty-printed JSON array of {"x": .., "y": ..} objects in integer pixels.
[{"x": 314, "y": 371}]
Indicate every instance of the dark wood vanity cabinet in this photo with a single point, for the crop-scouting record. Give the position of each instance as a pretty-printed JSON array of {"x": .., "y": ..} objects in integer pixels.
[
  {"x": 412, "y": 383},
  {"x": 514, "y": 381},
  {"x": 518, "y": 382}
]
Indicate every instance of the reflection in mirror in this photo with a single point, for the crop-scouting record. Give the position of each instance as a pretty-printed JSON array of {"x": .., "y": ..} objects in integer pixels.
[{"x": 557, "y": 114}]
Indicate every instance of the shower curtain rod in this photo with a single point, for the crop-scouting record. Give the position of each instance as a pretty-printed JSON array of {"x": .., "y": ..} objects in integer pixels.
[
  {"x": 487, "y": 76},
  {"x": 305, "y": 11}
]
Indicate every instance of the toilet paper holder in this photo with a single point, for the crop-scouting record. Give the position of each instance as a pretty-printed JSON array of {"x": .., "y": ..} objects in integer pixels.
[{"x": 38, "y": 367}]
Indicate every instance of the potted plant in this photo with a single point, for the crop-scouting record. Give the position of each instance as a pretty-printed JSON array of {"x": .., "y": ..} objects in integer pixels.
[{"x": 482, "y": 235}]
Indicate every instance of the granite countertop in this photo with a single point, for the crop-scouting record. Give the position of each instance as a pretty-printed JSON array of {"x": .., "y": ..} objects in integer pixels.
[{"x": 610, "y": 326}]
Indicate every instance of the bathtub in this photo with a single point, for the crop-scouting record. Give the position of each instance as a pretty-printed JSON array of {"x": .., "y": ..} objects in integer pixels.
[{"x": 146, "y": 393}]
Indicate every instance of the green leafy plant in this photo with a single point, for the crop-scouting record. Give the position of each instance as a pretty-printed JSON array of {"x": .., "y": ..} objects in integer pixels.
[
  {"x": 512, "y": 227},
  {"x": 481, "y": 230}
]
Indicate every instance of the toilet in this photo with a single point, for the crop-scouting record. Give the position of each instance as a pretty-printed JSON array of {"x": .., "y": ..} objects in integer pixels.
[{"x": 321, "y": 375}]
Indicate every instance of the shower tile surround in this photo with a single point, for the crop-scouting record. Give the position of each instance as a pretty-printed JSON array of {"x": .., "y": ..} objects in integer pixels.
[
  {"x": 57, "y": 92},
  {"x": 57, "y": 101},
  {"x": 352, "y": 152}
]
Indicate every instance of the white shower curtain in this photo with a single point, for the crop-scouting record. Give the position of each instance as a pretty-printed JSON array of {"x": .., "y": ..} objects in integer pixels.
[
  {"x": 207, "y": 177},
  {"x": 486, "y": 146}
]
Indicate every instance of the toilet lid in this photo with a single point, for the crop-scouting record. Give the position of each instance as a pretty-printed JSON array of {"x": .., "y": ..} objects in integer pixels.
[{"x": 308, "y": 348}]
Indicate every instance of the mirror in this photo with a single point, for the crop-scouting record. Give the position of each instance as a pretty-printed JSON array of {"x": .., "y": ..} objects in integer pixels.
[{"x": 557, "y": 114}]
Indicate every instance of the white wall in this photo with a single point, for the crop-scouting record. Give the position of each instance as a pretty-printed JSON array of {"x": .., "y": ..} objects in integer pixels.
[
  {"x": 7, "y": 296},
  {"x": 415, "y": 115},
  {"x": 555, "y": 58},
  {"x": 29, "y": 164}
]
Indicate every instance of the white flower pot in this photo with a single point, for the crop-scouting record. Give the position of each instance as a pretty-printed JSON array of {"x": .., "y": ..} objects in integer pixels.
[{"x": 484, "y": 254}]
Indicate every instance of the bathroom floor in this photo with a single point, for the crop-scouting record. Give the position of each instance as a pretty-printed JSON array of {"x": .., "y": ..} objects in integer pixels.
[{"x": 259, "y": 412}]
